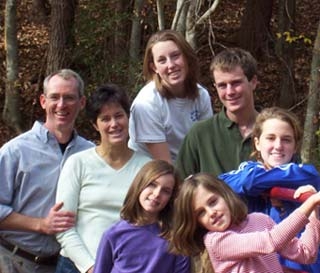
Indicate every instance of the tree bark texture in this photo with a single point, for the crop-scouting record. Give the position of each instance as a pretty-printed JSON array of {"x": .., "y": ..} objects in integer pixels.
[
  {"x": 254, "y": 30},
  {"x": 285, "y": 52},
  {"x": 311, "y": 125},
  {"x": 135, "y": 37},
  {"x": 40, "y": 10},
  {"x": 11, "y": 112},
  {"x": 160, "y": 12},
  {"x": 121, "y": 28},
  {"x": 61, "y": 40},
  {"x": 179, "y": 20},
  {"x": 194, "y": 20}
]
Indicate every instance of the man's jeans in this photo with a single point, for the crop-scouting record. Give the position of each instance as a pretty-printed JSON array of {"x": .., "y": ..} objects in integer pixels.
[{"x": 11, "y": 263}]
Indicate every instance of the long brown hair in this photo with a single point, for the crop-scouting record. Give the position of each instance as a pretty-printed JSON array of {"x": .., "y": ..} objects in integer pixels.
[
  {"x": 132, "y": 210},
  {"x": 187, "y": 235},
  {"x": 189, "y": 56}
]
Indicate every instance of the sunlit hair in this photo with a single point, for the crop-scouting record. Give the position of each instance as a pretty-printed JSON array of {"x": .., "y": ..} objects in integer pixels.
[
  {"x": 66, "y": 74},
  {"x": 133, "y": 212},
  {"x": 280, "y": 114},
  {"x": 105, "y": 95},
  {"x": 188, "y": 54},
  {"x": 187, "y": 234},
  {"x": 228, "y": 59}
]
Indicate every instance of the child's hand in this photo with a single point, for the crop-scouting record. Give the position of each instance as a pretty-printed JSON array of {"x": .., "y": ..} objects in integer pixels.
[{"x": 303, "y": 189}]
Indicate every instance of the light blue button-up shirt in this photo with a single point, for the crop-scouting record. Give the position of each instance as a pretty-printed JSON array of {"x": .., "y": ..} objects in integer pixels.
[{"x": 30, "y": 165}]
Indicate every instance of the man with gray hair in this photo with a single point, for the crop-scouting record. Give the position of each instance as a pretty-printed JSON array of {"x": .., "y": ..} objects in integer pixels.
[{"x": 30, "y": 165}]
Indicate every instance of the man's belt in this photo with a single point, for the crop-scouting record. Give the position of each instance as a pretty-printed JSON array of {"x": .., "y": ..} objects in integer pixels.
[{"x": 48, "y": 260}]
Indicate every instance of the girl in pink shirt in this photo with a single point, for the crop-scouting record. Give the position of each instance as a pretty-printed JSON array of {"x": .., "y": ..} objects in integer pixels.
[{"x": 209, "y": 215}]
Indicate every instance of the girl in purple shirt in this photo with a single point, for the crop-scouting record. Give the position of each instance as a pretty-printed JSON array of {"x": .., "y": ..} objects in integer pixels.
[{"x": 136, "y": 243}]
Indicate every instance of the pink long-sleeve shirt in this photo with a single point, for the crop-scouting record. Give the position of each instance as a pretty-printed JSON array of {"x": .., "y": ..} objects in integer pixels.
[{"x": 253, "y": 245}]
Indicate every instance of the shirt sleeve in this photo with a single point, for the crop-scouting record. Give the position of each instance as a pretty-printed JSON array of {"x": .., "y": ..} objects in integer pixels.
[
  {"x": 68, "y": 192},
  {"x": 304, "y": 250},
  {"x": 104, "y": 258},
  {"x": 8, "y": 170},
  {"x": 251, "y": 178},
  {"x": 237, "y": 245},
  {"x": 206, "y": 110},
  {"x": 147, "y": 124}
]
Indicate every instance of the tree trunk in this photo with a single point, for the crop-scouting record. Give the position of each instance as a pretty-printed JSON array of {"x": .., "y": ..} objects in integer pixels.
[
  {"x": 40, "y": 10},
  {"x": 160, "y": 11},
  {"x": 194, "y": 20},
  {"x": 135, "y": 37},
  {"x": 254, "y": 29},
  {"x": 191, "y": 24},
  {"x": 61, "y": 38},
  {"x": 310, "y": 145},
  {"x": 180, "y": 17},
  {"x": 285, "y": 52},
  {"x": 120, "y": 31},
  {"x": 11, "y": 112}
]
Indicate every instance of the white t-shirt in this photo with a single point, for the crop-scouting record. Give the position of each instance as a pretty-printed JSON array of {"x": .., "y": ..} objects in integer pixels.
[{"x": 155, "y": 119}]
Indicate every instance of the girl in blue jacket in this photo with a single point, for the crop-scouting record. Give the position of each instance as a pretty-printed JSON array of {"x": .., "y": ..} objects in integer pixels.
[{"x": 276, "y": 138}]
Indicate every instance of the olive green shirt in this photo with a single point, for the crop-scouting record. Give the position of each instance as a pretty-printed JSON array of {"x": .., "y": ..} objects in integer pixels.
[{"x": 214, "y": 145}]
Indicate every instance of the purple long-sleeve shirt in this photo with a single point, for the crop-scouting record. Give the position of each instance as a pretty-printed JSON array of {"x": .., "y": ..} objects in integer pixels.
[{"x": 137, "y": 249}]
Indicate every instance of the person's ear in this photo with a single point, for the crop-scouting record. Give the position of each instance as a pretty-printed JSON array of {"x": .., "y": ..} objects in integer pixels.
[
  {"x": 254, "y": 82},
  {"x": 257, "y": 144},
  {"x": 83, "y": 101},
  {"x": 153, "y": 67},
  {"x": 42, "y": 100},
  {"x": 94, "y": 124}
]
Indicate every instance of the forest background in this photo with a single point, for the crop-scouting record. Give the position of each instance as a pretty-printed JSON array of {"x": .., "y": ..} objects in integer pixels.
[{"x": 104, "y": 41}]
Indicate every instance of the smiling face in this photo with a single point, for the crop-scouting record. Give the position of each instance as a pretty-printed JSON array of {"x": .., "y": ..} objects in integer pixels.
[
  {"x": 169, "y": 64},
  {"x": 112, "y": 124},
  {"x": 156, "y": 195},
  {"x": 276, "y": 143},
  {"x": 211, "y": 210},
  {"x": 62, "y": 103},
  {"x": 235, "y": 91}
]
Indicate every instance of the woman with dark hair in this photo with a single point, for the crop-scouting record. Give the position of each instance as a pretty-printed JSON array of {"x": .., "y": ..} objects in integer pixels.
[
  {"x": 93, "y": 183},
  {"x": 172, "y": 100}
]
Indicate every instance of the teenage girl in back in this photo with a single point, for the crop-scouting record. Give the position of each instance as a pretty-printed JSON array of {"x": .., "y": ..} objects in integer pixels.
[{"x": 208, "y": 214}]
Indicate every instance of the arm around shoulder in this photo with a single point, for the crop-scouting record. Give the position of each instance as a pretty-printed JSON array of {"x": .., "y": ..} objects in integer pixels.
[{"x": 56, "y": 221}]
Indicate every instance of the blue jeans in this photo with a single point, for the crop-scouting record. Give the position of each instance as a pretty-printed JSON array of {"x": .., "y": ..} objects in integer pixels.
[{"x": 65, "y": 265}]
